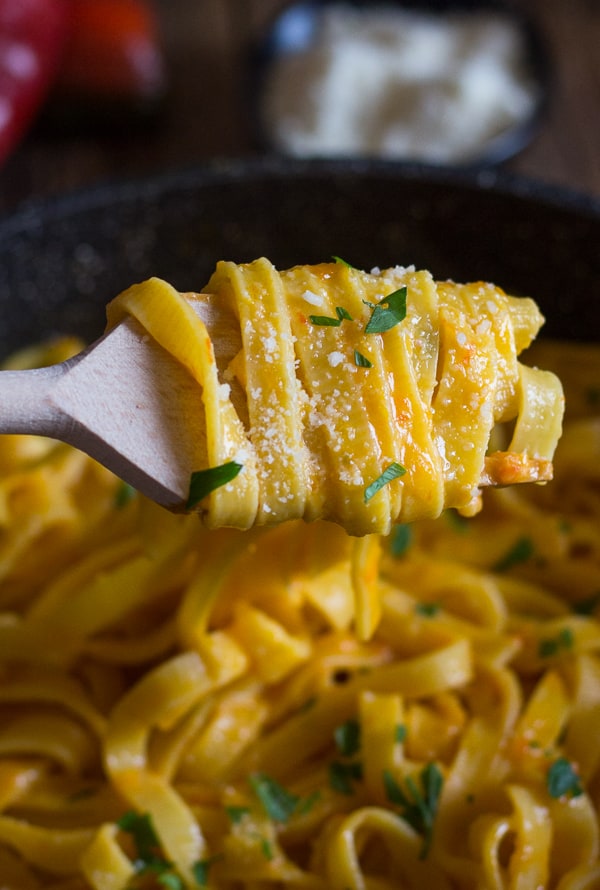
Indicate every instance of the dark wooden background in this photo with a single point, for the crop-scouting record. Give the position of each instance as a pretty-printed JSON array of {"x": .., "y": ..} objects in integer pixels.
[{"x": 206, "y": 42}]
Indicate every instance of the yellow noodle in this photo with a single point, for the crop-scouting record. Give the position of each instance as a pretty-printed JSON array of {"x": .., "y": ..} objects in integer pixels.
[{"x": 292, "y": 707}]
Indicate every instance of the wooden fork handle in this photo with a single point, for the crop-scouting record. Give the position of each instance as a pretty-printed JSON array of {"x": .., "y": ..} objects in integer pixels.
[{"x": 26, "y": 405}]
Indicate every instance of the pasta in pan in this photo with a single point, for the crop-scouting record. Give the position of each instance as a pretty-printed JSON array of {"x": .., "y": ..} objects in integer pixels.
[
  {"x": 293, "y": 707},
  {"x": 361, "y": 398}
]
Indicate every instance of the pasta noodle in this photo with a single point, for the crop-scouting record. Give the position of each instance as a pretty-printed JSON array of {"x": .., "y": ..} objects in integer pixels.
[
  {"x": 290, "y": 706},
  {"x": 362, "y": 398}
]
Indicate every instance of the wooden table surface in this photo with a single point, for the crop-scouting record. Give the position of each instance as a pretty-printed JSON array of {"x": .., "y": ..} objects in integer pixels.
[{"x": 206, "y": 43}]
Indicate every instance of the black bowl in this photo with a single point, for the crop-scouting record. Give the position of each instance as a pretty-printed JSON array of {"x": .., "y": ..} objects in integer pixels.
[
  {"x": 63, "y": 259},
  {"x": 296, "y": 27}
]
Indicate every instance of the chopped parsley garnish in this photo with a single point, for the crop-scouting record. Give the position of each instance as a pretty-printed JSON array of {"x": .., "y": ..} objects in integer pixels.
[
  {"x": 550, "y": 646},
  {"x": 418, "y": 806},
  {"x": 200, "y": 872},
  {"x": 201, "y": 868},
  {"x": 562, "y": 779},
  {"x": 149, "y": 859},
  {"x": 236, "y": 814},
  {"x": 400, "y": 733},
  {"x": 589, "y": 605},
  {"x": 427, "y": 610},
  {"x": 124, "y": 494},
  {"x": 361, "y": 361},
  {"x": 347, "y": 738},
  {"x": 267, "y": 848},
  {"x": 325, "y": 321},
  {"x": 328, "y": 321},
  {"x": 170, "y": 880},
  {"x": 343, "y": 775},
  {"x": 338, "y": 259},
  {"x": 401, "y": 539},
  {"x": 279, "y": 803},
  {"x": 203, "y": 482},
  {"x": 141, "y": 829},
  {"x": 388, "y": 312},
  {"x": 520, "y": 552},
  {"x": 306, "y": 805},
  {"x": 394, "y": 471}
]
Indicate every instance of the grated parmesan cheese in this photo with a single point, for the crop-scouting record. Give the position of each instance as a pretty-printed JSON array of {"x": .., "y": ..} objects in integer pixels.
[
  {"x": 312, "y": 298},
  {"x": 398, "y": 83}
]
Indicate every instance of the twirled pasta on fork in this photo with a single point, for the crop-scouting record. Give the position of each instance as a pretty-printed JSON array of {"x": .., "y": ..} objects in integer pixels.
[{"x": 365, "y": 398}]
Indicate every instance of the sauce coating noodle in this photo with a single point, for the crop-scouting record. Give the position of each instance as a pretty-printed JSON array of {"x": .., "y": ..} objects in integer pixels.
[
  {"x": 290, "y": 707},
  {"x": 361, "y": 398}
]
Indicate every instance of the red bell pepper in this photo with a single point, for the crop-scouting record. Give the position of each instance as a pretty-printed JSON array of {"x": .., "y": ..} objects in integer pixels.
[
  {"x": 33, "y": 35},
  {"x": 81, "y": 60}
]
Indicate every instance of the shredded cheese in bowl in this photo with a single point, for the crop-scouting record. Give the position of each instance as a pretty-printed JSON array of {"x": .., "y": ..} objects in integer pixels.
[{"x": 391, "y": 82}]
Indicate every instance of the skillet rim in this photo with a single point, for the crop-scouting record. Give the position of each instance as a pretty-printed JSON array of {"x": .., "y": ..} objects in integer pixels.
[{"x": 33, "y": 211}]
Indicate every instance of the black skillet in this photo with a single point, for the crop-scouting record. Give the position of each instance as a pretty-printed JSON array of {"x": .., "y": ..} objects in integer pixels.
[{"x": 62, "y": 260}]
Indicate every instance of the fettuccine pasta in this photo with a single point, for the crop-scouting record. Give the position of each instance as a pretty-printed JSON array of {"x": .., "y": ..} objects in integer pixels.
[
  {"x": 292, "y": 707},
  {"x": 361, "y": 398}
]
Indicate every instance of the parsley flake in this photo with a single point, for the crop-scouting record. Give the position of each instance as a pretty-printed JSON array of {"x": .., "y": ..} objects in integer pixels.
[
  {"x": 401, "y": 539},
  {"x": 427, "y": 610},
  {"x": 550, "y": 646},
  {"x": 388, "y": 312},
  {"x": 267, "y": 848},
  {"x": 343, "y": 775},
  {"x": 279, "y": 803},
  {"x": 361, "y": 361},
  {"x": 347, "y": 738},
  {"x": 124, "y": 494},
  {"x": 149, "y": 859},
  {"x": 520, "y": 552},
  {"x": 341, "y": 262},
  {"x": 236, "y": 814},
  {"x": 562, "y": 779},
  {"x": 201, "y": 869},
  {"x": 306, "y": 805},
  {"x": 170, "y": 880},
  {"x": 203, "y": 482},
  {"x": 400, "y": 733},
  {"x": 394, "y": 471},
  {"x": 141, "y": 829},
  {"x": 418, "y": 806},
  {"x": 325, "y": 321}
]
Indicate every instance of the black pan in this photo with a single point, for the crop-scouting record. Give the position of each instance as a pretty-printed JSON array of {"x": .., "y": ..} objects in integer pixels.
[{"x": 62, "y": 260}]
